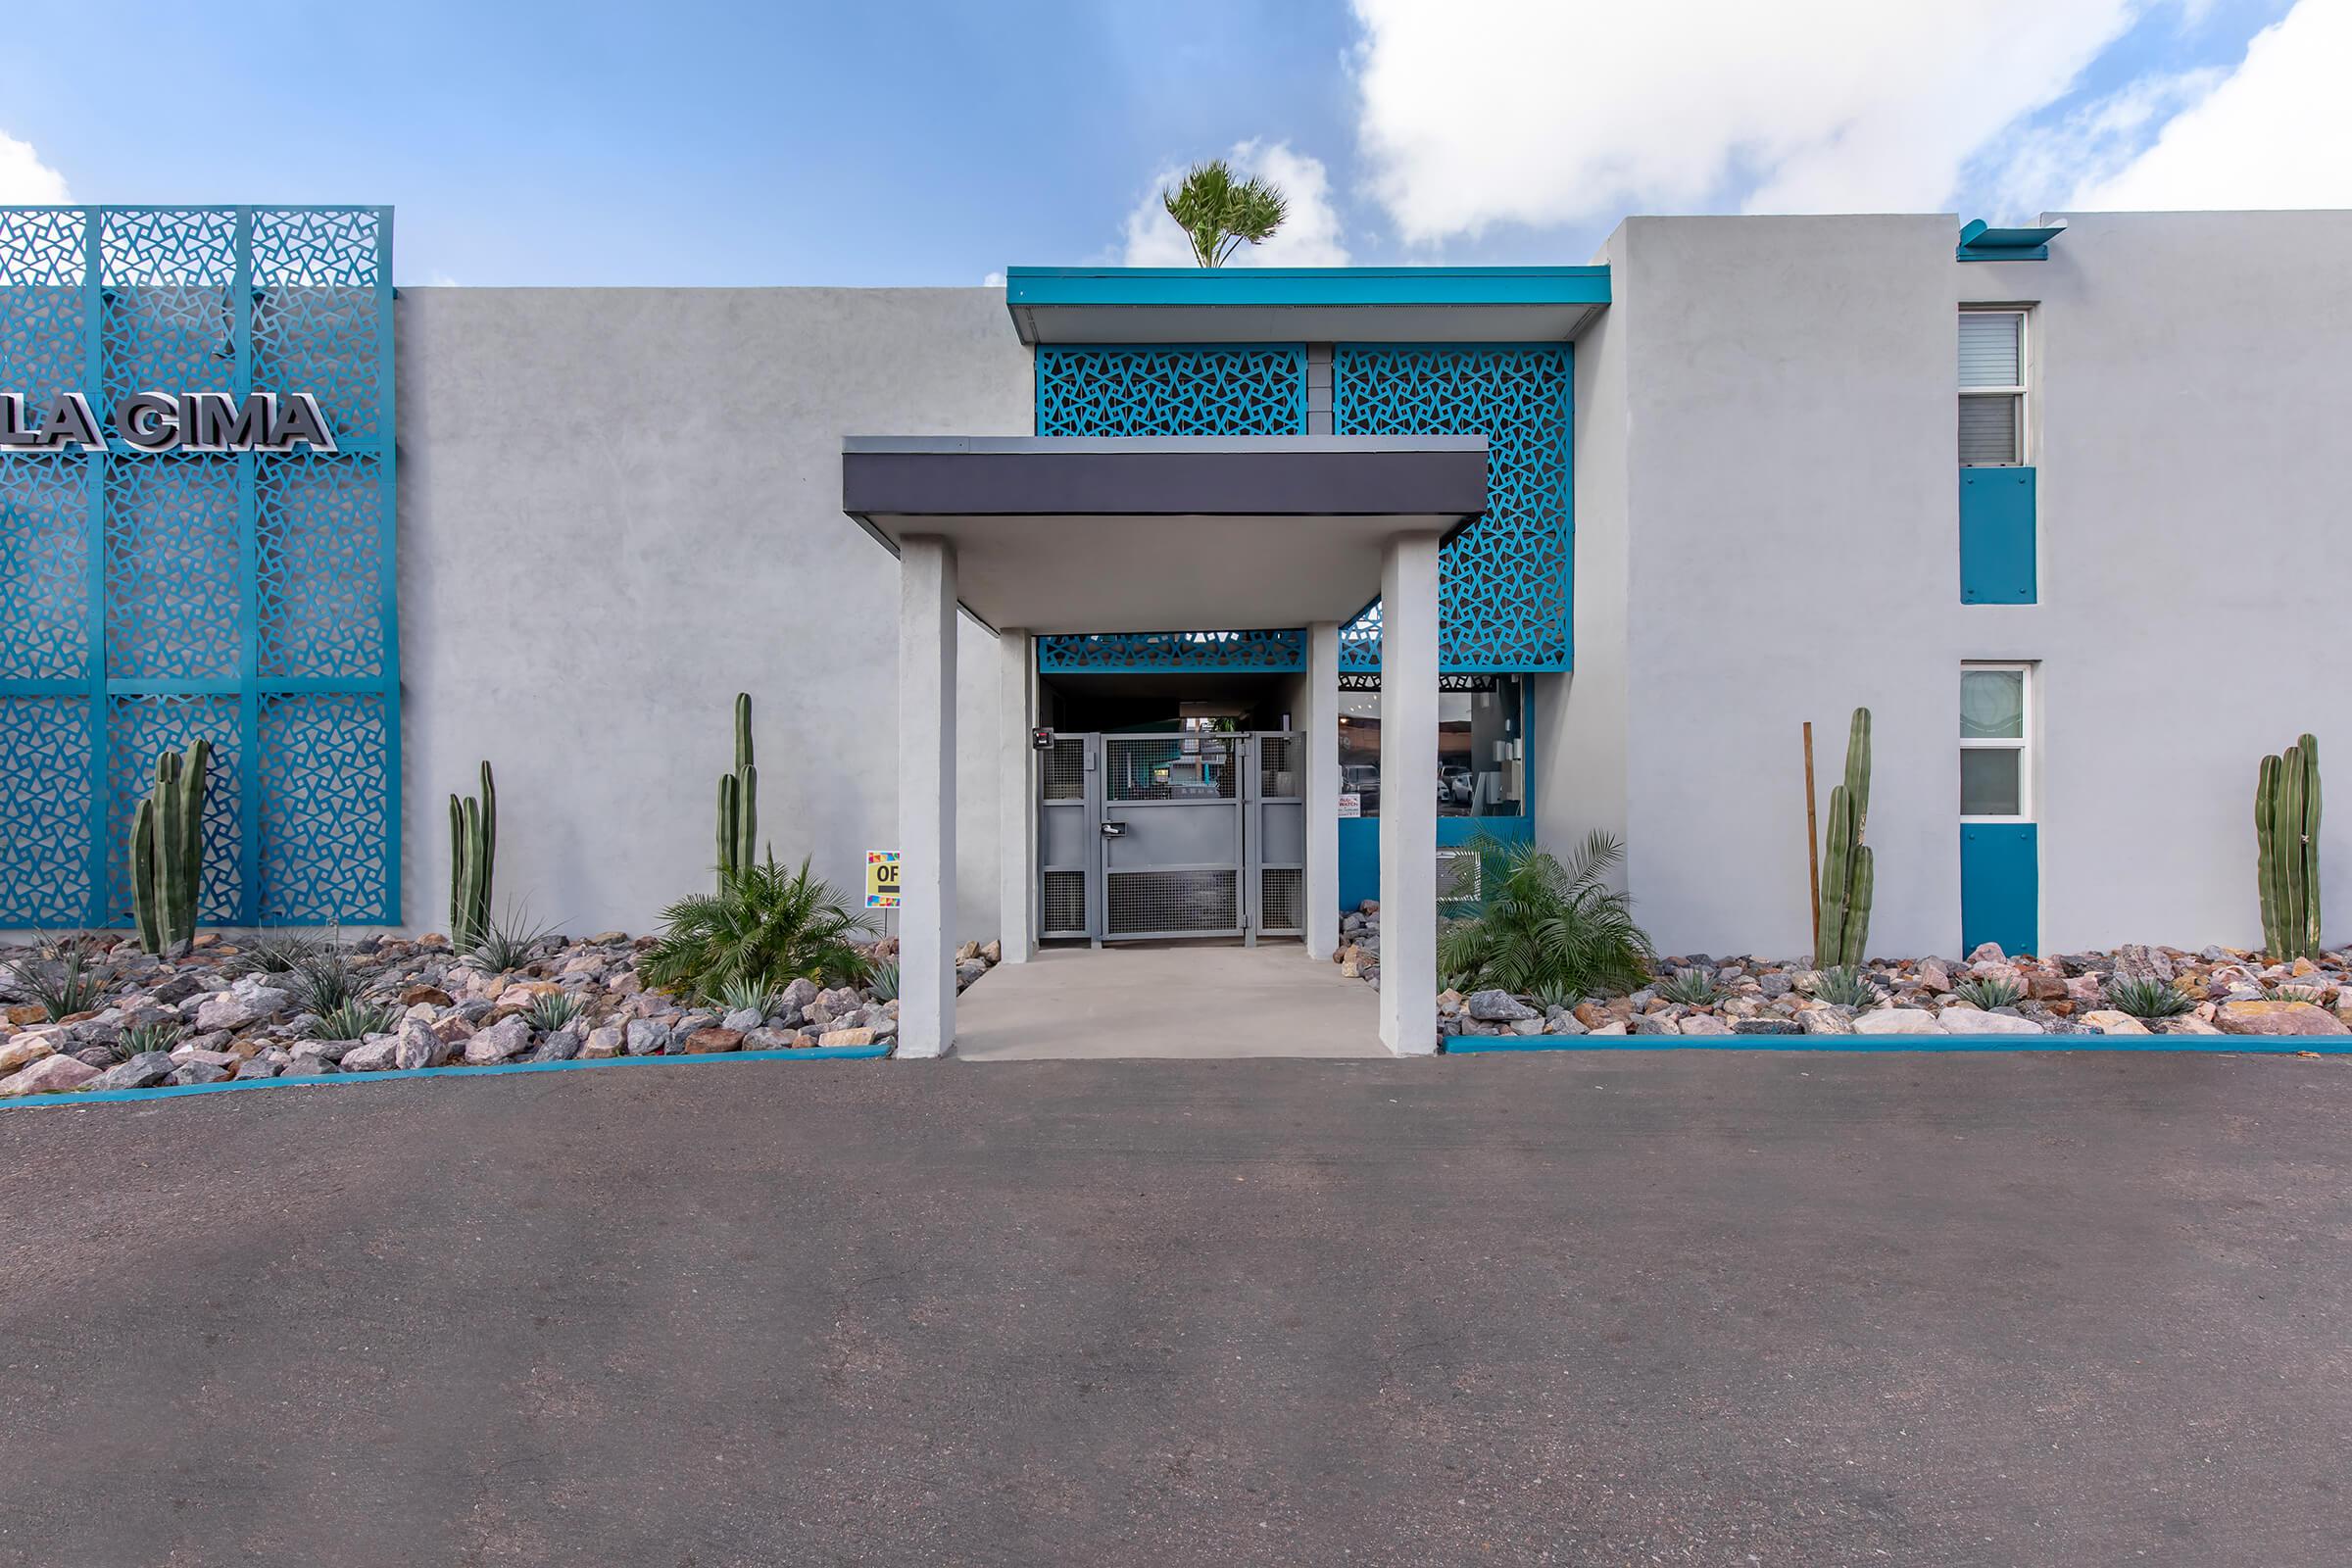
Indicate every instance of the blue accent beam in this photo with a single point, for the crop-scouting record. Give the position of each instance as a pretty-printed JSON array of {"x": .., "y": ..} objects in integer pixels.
[{"x": 1035, "y": 287}]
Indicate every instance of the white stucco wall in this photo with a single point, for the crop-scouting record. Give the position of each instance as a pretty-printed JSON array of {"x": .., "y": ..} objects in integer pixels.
[
  {"x": 617, "y": 509},
  {"x": 1769, "y": 409}
]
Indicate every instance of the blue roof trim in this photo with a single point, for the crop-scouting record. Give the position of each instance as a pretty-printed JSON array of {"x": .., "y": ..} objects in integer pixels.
[
  {"x": 1045, "y": 288},
  {"x": 1981, "y": 242}
]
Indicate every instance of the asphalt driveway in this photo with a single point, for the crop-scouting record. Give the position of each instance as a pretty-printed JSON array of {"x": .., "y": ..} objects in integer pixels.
[{"x": 1594, "y": 1309}]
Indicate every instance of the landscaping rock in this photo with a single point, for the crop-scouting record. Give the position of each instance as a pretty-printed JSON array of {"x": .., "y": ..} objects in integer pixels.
[
  {"x": 1767, "y": 1026},
  {"x": 309, "y": 1059},
  {"x": 206, "y": 1068},
  {"x": 502, "y": 1042},
  {"x": 1897, "y": 1021},
  {"x": 605, "y": 1042},
  {"x": 1702, "y": 1024},
  {"x": 1565, "y": 1024},
  {"x": 743, "y": 1020},
  {"x": 764, "y": 1038},
  {"x": 1497, "y": 1006},
  {"x": 1826, "y": 1020},
  {"x": 2107, "y": 1021},
  {"x": 713, "y": 1040},
  {"x": 263, "y": 1065},
  {"x": 22, "y": 1052},
  {"x": 419, "y": 1047},
  {"x": 2276, "y": 1018},
  {"x": 846, "y": 1037},
  {"x": 375, "y": 1053},
  {"x": 648, "y": 1037},
  {"x": 142, "y": 1071},
  {"x": 561, "y": 1046},
  {"x": 50, "y": 1075},
  {"x": 242, "y": 1004},
  {"x": 1973, "y": 1021}
]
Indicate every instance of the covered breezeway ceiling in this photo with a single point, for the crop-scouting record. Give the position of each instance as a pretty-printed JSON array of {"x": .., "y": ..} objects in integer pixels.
[{"x": 1169, "y": 534}]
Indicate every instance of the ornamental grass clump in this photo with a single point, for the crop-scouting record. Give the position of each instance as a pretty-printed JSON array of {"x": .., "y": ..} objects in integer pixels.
[
  {"x": 1546, "y": 929},
  {"x": 2143, "y": 997},
  {"x": 766, "y": 925}
]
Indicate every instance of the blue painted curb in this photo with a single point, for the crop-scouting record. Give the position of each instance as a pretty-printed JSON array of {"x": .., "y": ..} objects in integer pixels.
[
  {"x": 171, "y": 1091},
  {"x": 2211, "y": 1044}
]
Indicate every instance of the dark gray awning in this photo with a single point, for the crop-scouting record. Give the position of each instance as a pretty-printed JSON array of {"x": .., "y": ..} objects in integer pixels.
[{"x": 1164, "y": 534}]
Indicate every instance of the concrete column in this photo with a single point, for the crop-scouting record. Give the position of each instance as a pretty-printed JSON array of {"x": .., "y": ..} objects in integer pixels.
[
  {"x": 1408, "y": 794},
  {"x": 927, "y": 797},
  {"x": 1323, "y": 790},
  {"x": 1016, "y": 798}
]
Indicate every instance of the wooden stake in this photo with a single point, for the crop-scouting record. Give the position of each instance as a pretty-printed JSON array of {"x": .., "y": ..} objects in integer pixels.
[{"x": 1812, "y": 844}]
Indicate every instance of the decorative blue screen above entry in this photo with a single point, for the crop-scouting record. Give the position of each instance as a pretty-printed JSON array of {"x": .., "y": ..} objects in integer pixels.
[
  {"x": 147, "y": 599},
  {"x": 1506, "y": 586}
]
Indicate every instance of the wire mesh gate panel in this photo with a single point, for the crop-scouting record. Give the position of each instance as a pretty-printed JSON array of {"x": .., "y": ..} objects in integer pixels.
[
  {"x": 147, "y": 599},
  {"x": 1171, "y": 835}
]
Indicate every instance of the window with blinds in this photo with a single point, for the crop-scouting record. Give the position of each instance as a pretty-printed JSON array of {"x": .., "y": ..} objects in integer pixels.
[{"x": 1993, "y": 388}]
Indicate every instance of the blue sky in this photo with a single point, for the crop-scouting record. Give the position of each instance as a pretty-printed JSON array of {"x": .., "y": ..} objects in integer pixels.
[{"x": 699, "y": 143}]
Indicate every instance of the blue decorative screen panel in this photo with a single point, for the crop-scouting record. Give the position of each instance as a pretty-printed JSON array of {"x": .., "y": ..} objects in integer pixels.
[
  {"x": 1174, "y": 652},
  {"x": 1175, "y": 390},
  {"x": 1504, "y": 586},
  {"x": 147, "y": 599}
]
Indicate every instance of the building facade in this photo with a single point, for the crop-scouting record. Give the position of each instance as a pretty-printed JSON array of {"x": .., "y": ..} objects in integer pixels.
[{"x": 2057, "y": 507}]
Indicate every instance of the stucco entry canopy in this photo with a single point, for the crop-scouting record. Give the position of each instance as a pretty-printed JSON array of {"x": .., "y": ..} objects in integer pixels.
[{"x": 1225, "y": 533}]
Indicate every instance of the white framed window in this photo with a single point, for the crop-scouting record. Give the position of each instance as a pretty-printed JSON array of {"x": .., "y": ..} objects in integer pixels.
[
  {"x": 1996, "y": 743},
  {"x": 1992, "y": 387}
]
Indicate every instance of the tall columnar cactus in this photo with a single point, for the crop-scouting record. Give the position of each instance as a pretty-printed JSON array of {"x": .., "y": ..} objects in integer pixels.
[
  {"x": 739, "y": 801},
  {"x": 167, "y": 851},
  {"x": 472, "y": 861},
  {"x": 2286, "y": 837},
  {"x": 1845, "y": 872}
]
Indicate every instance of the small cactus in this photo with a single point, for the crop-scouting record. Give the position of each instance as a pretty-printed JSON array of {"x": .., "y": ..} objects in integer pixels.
[
  {"x": 2286, "y": 837},
  {"x": 167, "y": 851},
  {"x": 1846, "y": 872},
  {"x": 739, "y": 801},
  {"x": 472, "y": 861}
]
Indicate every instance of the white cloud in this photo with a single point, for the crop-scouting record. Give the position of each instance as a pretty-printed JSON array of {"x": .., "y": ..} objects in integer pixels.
[
  {"x": 2271, "y": 135},
  {"x": 1308, "y": 237},
  {"x": 1542, "y": 113},
  {"x": 24, "y": 177},
  {"x": 2034, "y": 170}
]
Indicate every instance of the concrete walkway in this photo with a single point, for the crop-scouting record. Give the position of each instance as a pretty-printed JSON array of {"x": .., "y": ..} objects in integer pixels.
[{"x": 1175, "y": 998}]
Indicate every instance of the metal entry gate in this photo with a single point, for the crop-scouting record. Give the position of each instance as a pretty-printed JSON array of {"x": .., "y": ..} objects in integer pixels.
[{"x": 1192, "y": 834}]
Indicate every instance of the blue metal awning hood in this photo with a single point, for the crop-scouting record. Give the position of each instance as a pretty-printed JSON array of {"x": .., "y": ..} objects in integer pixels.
[
  {"x": 1981, "y": 242},
  {"x": 1304, "y": 303}
]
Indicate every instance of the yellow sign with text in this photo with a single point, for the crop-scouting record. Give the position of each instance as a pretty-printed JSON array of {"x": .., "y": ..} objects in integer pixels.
[{"x": 881, "y": 879}]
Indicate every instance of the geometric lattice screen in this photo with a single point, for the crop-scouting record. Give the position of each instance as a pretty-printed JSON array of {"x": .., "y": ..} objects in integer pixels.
[
  {"x": 1504, "y": 589},
  {"x": 147, "y": 599},
  {"x": 1174, "y": 652},
  {"x": 1506, "y": 586}
]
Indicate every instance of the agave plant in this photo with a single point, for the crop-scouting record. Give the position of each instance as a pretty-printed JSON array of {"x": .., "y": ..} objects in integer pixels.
[
  {"x": 2294, "y": 993},
  {"x": 63, "y": 976},
  {"x": 1692, "y": 988},
  {"x": 503, "y": 942},
  {"x": 278, "y": 952},
  {"x": 1990, "y": 992},
  {"x": 554, "y": 1010},
  {"x": 743, "y": 994},
  {"x": 2145, "y": 997},
  {"x": 325, "y": 980},
  {"x": 1844, "y": 986},
  {"x": 356, "y": 1017},
  {"x": 142, "y": 1037},
  {"x": 768, "y": 927},
  {"x": 1545, "y": 927},
  {"x": 884, "y": 981}
]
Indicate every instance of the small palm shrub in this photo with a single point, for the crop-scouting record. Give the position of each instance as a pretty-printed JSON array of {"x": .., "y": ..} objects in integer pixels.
[
  {"x": 554, "y": 1010},
  {"x": 1990, "y": 993},
  {"x": 1844, "y": 986},
  {"x": 356, "y": 1017},
  {"x": 140, "y": 1039},
  {"x": 1692, "y": 988},
  {"x": 63, "y": 977},
  {"x": 503, "y": 942},
  {"x": 2144, "y": 997},
  {"x": 766, "y": 924},
  {"x": 1546, "y": 927}
]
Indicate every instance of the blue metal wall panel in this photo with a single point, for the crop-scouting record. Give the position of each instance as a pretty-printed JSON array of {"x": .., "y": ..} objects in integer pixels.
[
  {"x": 2000, "y": 886},
  {"x": 1169, "y": 652},
  {"x": 146, "y": 599},
  {"x": 1359, "y": 847},
  {"x": 1997, "y": 537},
  {"x": 1224, "y": 389}
]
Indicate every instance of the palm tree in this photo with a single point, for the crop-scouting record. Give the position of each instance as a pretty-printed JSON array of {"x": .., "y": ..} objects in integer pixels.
[{"x": 1217, "y": 211}]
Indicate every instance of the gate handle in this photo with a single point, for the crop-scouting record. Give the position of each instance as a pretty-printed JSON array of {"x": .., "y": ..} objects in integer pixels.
[{"x": 1114, "y": 830}]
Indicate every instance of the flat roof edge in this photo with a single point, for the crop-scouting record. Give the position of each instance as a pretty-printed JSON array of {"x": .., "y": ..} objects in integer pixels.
[{"x": 1047, "y": 445}]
